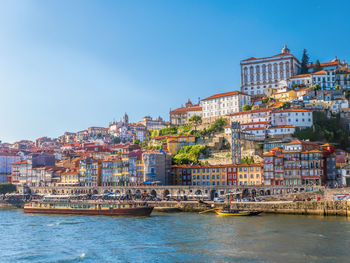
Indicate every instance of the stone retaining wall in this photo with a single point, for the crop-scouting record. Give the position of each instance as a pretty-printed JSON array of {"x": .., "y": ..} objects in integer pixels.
[{"x": 325, "y": 208}]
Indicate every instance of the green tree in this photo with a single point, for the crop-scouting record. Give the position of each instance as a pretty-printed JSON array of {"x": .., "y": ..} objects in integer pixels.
[
  {"x": 184, "y": 129},
  {"x": 167, "y": 131},
  {"x": 189, "y": 154},
  {"x": 217, "y": 126},
  {"x": 195, "y": 120},
  {"x": 316, "y": 87},
  {"x": 326, "y": 130},
  {"x": 285, "y": 105},
  {"x": 7, "y": 188},
  {"x": 317, "y": 66},
  {"x": 304, "y": 63},
  {"x": 247, "y": 160},
  {"x": 246, "y": 107},
  {"x": 136, "y": 141}
]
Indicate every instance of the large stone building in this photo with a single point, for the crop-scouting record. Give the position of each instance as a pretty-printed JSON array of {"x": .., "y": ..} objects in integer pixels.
[
  {"x": 257, "y": 74},
  {"x": 224, "y": 104}
]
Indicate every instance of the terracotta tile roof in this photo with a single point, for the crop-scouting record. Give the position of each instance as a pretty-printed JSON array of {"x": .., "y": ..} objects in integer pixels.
[
  {"x": 300, "y": 76},
  {"x": 252, "y": 129},
  {"x": 253, "y": 123},
  {"x": 278, "y": 55},
  {"x": 325, "y": 64},
  {"x": 20, "y": 162},
  {"x": 249, "y": 59},
  {"x": 225, "y": 94},
  {"x": 290, "y": 110},
  {"x": 282, "y": 126},
  {"x": 321, "y": 72},
  {"x": 294, "y": 142},
  {"x": 186, "y": 109}
]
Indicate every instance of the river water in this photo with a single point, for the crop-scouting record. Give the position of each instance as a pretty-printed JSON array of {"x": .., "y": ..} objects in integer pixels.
[{"x": 173, "y": 237}]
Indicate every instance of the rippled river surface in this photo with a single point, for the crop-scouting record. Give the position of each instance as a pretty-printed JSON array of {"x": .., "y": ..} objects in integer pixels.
[{"x": 177, "y": 237}]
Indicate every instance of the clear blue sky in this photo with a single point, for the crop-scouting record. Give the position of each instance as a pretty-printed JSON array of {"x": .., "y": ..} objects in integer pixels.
[{"x": 68, "y": 65}]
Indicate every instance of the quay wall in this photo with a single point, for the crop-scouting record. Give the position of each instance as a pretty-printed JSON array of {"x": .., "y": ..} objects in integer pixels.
[{"x": 325, "y": 208}]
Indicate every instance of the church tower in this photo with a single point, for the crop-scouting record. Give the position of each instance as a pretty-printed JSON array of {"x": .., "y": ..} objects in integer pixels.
[{"x": 126, "y": 119}]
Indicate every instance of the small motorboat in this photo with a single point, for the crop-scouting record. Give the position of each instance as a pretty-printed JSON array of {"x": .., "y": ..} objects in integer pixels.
[{"x": 223, "y": 212}]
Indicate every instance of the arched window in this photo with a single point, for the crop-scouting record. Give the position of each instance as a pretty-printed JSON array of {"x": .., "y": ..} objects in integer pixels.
[
  {"x": 263, "y": 72},
  {"x": 281, "y": 71},
  {"x": 287, "y": 70},
  {"x": 257, "y": 70},
  {"x": 275, "y": 72},
  {"x": 269, "y": 68},
  {"x": 245, "y": 75},
  {"x": 251, "y": 73}
]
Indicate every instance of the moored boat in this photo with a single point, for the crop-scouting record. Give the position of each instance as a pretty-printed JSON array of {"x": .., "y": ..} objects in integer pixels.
[
  {"x": 236, "y": 213},
  {"x": 88, "y": 208}
]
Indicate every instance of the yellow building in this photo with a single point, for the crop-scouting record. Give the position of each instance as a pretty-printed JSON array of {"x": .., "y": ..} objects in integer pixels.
[
  {"x": 199, "y": 175},
  {"x": 250, "y": 174},
  {"x": 284, "y": 96},
  {"x": 139, "y": 170},
  {"x": 175, "y": 142},
  {"x": 70, "y": 177}
]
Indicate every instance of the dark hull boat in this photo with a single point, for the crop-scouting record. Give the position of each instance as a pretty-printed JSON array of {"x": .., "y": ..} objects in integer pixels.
[{"x": 81, "y": 208}]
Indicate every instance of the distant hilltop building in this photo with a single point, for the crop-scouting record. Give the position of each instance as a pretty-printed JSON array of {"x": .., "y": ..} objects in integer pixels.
[
  {"x": 180, "y": 116},
  {"x": 327, "y": 75},
  {"x": 257, "y": 74},
  {"x": 151, "y": 124}
]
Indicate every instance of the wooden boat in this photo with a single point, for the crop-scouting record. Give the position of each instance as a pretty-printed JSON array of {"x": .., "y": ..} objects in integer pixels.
[
  {"x": 88, "y": 208},
  {"x": 236, "y": 213}
]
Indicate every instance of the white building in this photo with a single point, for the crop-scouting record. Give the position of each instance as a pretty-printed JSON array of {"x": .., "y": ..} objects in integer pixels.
[
  {"x": 302, "y": 80},
  {"x": 257, "y": 74},
  {"x": 139, "y": 131},
  {"x": 252, "y": 116},
  {"x": 281, "y": 130},
  {"x": 295, "y": 117},
  {"x": 325, "y": 79},
  {"x": 343, "y": 77},
  {"x": 339, "y": 104},
  {"x": 224, "y": 103}
]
